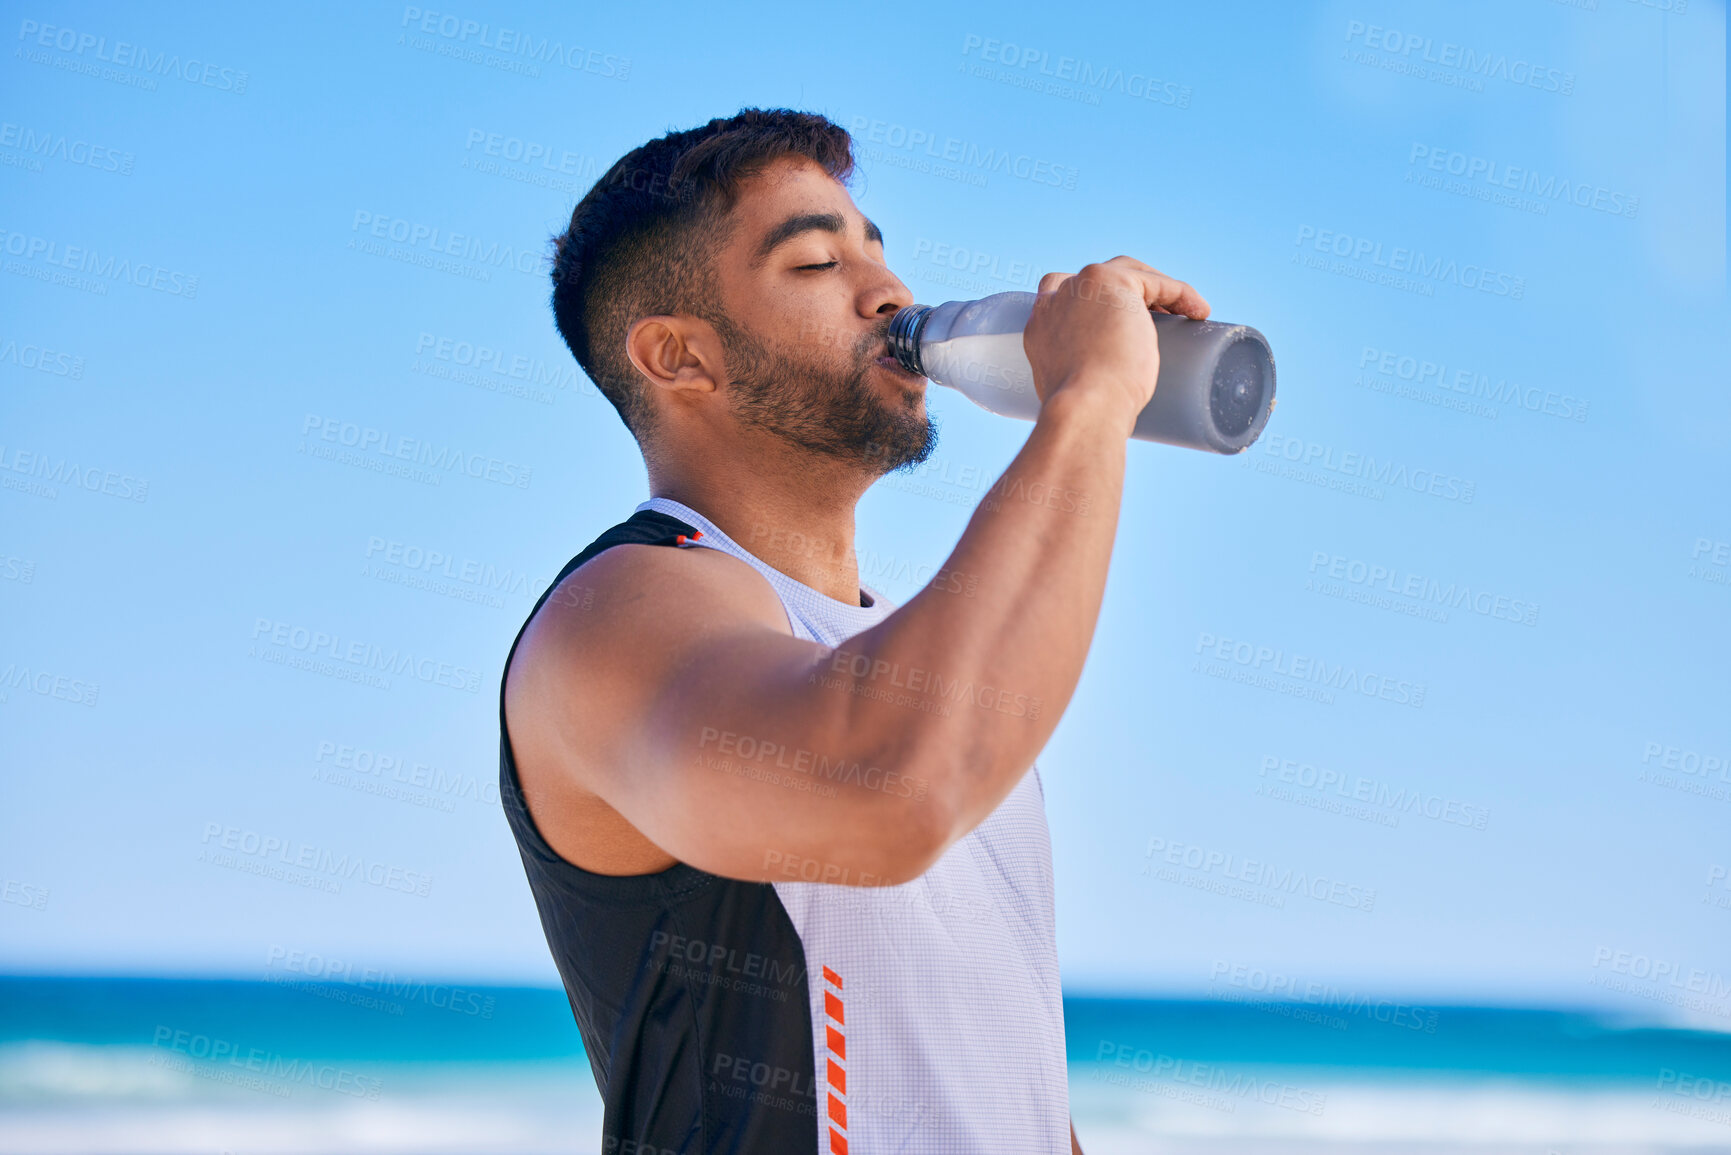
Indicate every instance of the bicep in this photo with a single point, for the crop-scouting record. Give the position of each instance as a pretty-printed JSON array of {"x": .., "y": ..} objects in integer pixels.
[{"x": 721, "y": 737}]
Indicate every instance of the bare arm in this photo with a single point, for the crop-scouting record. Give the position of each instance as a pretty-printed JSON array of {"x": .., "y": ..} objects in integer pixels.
[{"x": 673, "y": 693}]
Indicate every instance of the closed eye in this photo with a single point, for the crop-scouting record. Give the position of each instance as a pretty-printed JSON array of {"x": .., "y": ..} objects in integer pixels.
[{"x": 825, "y": 265}]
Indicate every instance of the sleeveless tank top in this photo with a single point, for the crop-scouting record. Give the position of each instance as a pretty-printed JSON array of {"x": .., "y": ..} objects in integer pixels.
[{"x": 811, "y": 1016}]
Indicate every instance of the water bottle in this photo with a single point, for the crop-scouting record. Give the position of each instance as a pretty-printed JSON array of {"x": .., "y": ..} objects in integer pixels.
[{"x": 1215, "y": 389}]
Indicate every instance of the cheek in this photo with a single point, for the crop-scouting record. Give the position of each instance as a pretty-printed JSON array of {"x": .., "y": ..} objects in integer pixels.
[{"x": 814, "y": 336}]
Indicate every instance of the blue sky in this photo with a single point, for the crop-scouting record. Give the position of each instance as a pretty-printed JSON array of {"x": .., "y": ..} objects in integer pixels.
[{"x": 1486, "y": 242}]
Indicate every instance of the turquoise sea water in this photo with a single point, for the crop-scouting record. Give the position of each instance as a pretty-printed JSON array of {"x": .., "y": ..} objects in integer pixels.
[{"x": 371, "y": 1063}]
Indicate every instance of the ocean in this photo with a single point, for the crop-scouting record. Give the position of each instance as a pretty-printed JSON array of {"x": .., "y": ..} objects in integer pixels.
[{"x": 377, "y": 1065}]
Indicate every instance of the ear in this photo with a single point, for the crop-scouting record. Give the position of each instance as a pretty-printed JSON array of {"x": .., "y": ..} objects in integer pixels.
[{"x": 678, "y": 353}]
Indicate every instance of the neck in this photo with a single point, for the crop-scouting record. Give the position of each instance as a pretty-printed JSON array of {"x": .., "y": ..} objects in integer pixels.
[{"x": 789, "y": 508}]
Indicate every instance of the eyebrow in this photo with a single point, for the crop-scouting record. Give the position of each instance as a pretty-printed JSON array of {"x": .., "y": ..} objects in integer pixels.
[{"x": 804, "y": 223}]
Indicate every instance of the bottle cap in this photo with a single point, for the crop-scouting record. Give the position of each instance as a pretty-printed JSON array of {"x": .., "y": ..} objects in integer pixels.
[{"x": 904, "y": 336}]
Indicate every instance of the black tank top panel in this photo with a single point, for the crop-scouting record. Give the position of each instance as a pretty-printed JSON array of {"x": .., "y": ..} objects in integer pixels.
[{"x": 689, "y": 989}]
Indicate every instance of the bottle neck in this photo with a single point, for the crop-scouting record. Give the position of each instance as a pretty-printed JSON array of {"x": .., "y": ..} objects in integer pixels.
[{"x": 904, "y": 336}]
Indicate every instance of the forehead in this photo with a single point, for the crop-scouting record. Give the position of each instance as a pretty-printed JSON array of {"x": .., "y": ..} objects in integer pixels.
[{"x": 785, "y": 187}]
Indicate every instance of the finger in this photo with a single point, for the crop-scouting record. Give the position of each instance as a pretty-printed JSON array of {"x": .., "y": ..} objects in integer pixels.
[
  {"x": 1052, "y": 280},
  {"x": 1132, "y": 262},
  {"x": 1170, "y": 295}
]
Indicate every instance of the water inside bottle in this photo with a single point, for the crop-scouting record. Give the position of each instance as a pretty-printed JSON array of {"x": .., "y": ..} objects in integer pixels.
[{"x": 990, "y": 368}]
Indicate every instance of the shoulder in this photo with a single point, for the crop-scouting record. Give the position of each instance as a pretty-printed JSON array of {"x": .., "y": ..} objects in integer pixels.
[
  {"x": 654, "y": 590},
  {"x": 630, "y": 614},
  {"x": 589, "y": 669}
]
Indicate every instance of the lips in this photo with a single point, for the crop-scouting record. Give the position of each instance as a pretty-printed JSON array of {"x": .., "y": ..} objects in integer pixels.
[
  {"x": 889, "y": 361},
  {"x": 895, "y": 366}
]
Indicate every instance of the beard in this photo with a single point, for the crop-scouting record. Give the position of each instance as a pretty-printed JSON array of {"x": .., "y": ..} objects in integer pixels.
[{"x": 825, "y": 408}]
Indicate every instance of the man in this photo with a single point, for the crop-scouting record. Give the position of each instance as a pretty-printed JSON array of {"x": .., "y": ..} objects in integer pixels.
[{"x": 787, "y": 842}]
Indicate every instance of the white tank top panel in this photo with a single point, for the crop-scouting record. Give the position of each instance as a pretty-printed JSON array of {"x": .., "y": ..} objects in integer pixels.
[{"x": 937, "y": 1017}]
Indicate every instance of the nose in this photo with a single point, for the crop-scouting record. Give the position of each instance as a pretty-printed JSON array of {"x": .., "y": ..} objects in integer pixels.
[{"x": 885, "y": 295}]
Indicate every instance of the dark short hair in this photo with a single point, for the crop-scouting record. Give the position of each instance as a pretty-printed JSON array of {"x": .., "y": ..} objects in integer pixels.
[{"x": 642, "y": 241}]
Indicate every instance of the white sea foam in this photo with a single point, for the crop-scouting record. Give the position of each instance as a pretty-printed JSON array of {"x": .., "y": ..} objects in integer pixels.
[
  {"x": 398, "y": 1128},
  {"x": 58, "y": 1099},
  {"x": 35, "y": 1071},
  {"x": 1444, "y": 1115}
]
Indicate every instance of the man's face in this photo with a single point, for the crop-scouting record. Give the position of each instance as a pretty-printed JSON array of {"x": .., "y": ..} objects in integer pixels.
[{"x": 807, "y": 302}]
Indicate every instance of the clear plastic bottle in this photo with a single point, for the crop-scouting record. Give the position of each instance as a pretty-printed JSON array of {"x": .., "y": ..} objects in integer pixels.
[{"x": 1215, "y": 390}]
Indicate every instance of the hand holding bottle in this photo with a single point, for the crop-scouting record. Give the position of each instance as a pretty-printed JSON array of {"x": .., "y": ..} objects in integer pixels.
[
  {"x": 1211, "y": 383},
  {"x": 1089, "y": 331}
]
